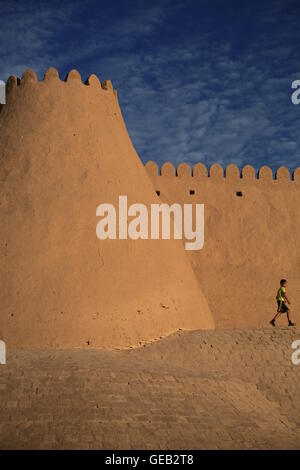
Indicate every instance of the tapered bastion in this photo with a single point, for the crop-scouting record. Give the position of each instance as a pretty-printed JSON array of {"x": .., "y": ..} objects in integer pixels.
[{"x": 64, "y": 149}]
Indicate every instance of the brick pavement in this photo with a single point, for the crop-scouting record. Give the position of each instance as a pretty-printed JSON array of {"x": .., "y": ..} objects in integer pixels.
[{"x": 232, "y": 389}]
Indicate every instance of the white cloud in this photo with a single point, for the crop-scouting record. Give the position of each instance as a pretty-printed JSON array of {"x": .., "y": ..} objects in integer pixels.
[{"x": 191, "y": 99}]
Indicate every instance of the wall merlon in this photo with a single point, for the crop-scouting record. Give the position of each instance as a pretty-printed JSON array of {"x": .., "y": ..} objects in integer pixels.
[
  {"x": 28, "y": 76},
  {"x": 282, "y": 174},
  {"x": 248, "y": 173},
  {"x": 216, "y": 173},
  {"x": 73, "y": 75},
  {"x": 51, "y": 74},
  {"x": 93, "y": 81},
  {"x": 232, "y": 172},
  {"x": 168, "y": 169},
  {"x": 183, "y": 170},
  {"x": 12, "y": 83},
  {"x": 265, "y": 174},
  {"x": 152, "y": 168},
  {"x": 200, "y": 170}
]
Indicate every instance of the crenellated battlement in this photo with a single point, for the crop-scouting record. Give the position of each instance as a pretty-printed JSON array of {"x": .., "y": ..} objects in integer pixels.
[
  {"x": 251, "y": 227},
  {"x": 216, "y": 172},
  {"x": 51, "y": 74}
]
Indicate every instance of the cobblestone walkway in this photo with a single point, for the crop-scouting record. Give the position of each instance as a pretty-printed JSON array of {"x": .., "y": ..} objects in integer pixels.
[{"x": 228, "y": 389}]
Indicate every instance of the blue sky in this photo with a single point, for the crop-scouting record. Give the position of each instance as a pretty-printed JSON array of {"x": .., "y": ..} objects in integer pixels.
[{"x": 197, "y": 80}]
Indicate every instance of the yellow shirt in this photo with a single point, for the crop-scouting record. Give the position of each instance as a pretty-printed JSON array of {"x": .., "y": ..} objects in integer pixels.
[{"x": 280, "y": 293}]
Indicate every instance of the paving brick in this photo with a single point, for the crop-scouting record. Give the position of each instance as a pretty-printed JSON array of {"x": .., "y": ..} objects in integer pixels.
[{"x": 224, "y": 389}]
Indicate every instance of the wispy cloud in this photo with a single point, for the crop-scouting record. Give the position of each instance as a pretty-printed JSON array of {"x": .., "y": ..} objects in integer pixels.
[
  {"x": 31, "y": 34},
  {"x": 196, "y": 82}
]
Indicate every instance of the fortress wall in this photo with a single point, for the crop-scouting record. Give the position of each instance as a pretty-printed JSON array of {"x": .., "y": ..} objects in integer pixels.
[
  {"x": 252, "y": 224},
  {"x": 64, "y": 149}
]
